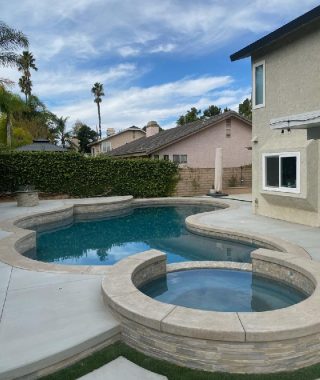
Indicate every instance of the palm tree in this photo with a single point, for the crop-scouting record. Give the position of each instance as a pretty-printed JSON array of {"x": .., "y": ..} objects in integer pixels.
[
  {"x": 26, "y": 62},
  {"x": 10, "y": 41},
  {"x": 24, "y": 84},
  {"x": 60, "y": 130},
  {"x": 97, "y": 91},
  {"x": 9, "y": 104}
]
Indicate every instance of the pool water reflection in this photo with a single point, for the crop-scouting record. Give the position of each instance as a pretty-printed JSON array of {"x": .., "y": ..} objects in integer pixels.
[
  {"x": 222, "y": 290},
  {"x": 108, "y": 239}
]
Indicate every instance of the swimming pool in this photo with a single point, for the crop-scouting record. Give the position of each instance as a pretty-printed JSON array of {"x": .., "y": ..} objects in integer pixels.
[
  {"x": 222, "y": 290},
  {"x": 110, "y": 238}
]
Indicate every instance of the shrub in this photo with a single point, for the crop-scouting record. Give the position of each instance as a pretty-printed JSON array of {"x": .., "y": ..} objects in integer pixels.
[
  {"x": 80, "y": 176},
  {"x": 232, "y": 182}
]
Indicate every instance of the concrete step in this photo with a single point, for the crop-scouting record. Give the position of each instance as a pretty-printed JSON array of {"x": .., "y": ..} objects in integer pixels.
[{"x": 122, "y": 369}]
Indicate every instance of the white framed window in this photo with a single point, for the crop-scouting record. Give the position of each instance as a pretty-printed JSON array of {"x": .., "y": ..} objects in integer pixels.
[
  {"x": 106, "y": 146},
  {"x": 166, "y": 157},
  {"x": 259, "y": 84},
  {"x": 281, "y": 172},
  {"x": 180, "y": 158}
]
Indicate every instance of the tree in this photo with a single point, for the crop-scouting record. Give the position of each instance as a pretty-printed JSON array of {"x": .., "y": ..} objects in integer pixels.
[
  {"x": 60, "y": 131},
  {"x": 6, "y": 83},
  {"x": 211, "y": 111},
  {"x": 194, "y": 114},
  {"x": 10, "y": 41},
  {"x": 191, "y": 115},
  {"x": 86, "y": 135},
  {"x": 97, "y": 91},
  {"x": 77, "y": 125},
  {"x": 36, "y": 119},
  {"x": 245, "y": 108},
  {"x": 20, "y": 137},
  {"x": 26, "y": 62},
  {"x": 9, "y": 104},
  {"x": 25, "y": 86}
]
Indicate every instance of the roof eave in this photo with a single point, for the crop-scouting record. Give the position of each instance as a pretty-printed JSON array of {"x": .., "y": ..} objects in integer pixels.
[
  {"x": 278, "y": 34},
  {"x": 127, "y": 155}
]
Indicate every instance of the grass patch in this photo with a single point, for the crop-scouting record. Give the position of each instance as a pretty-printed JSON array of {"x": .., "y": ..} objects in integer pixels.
[{"x": 173, "y": 372}]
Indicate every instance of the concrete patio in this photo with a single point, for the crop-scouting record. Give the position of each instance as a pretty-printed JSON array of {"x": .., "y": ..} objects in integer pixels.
[{"x": 47, "y": 316}]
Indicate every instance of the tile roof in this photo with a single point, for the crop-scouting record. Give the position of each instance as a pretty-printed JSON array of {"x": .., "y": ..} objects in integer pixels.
[{"x": 147, "y": 145}]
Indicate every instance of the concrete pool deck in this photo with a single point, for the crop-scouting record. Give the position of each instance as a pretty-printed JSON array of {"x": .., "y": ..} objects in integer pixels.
[{"x": 37, "y": 307}]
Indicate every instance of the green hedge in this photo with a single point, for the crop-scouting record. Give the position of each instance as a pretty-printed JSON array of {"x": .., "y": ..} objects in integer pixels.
[{"x": 80, "y": 176}]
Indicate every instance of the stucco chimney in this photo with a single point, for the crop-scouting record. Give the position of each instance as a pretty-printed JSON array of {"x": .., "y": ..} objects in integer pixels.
[
  {"x": 152, "y": 128},
  {"x": 110, "y": 132}
]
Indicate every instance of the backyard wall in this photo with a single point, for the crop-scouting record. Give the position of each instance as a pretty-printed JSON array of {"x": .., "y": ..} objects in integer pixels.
[{"x": 198, "y": 181}]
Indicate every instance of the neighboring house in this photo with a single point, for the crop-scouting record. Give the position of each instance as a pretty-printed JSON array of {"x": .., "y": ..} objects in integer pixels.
[
  {"x": 194, "y": 145},
  {"x": 286, "y": 120},
  {"x": 42, "y": 145},
  {"x": 115, "y": 140}
]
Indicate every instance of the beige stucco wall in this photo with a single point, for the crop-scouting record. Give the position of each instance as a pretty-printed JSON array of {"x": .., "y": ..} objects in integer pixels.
[
  {"x": 118, "y": 140},
  {"x": 201, "y": 147},
  {"x": 292, "y": 87}
]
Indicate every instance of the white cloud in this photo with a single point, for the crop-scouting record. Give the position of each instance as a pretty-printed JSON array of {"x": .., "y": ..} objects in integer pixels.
[
  {"x": 163, "y": 48},
  {"x": 92, "y": 27},
  {"x": 70, "y": 81},
  {"x": 128, "y": 51},
  {"x": 164, "y": 103},
  {"x": 76, "y": 43}
]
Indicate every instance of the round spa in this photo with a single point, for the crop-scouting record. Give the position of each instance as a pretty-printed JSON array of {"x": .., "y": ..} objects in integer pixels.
[
  {"x": 227, "y": 290},
  {"x": 219, "y": 316}
]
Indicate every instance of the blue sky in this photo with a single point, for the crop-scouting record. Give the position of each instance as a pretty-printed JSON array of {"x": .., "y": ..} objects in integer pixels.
[{"x": 156, "y": 59}]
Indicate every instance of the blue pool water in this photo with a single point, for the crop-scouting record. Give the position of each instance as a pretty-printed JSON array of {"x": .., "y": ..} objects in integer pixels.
[
  {"x": 222, "y": 290},
  {"x": 108, "y": 239}
]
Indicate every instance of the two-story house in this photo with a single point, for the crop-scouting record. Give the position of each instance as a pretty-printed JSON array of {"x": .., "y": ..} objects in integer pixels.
[
  {"x": 286, "y": 120},
  {"x": 115, "y": 140}
]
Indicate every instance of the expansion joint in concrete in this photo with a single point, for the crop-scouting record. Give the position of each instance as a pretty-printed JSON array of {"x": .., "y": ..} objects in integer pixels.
[{"x": 6, "y": 295}]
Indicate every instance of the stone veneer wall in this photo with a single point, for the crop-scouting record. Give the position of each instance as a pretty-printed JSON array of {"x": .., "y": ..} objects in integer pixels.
[
  {"x": 284, "y": 274},
  {"x": 198, "y": 181},
  {"x": 221, "y": 356},
  {"x": 149, "y": 272}
]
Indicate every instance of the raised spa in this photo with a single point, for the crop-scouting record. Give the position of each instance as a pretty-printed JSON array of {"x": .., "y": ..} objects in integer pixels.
[
  {"x": 239, "y": 341},
  {"x": 112, "y": 237},
  {"x": 222, "y": 290}
]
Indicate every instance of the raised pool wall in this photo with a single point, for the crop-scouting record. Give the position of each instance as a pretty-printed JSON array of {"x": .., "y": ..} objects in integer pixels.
[{"x": 272, "y": 341}]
